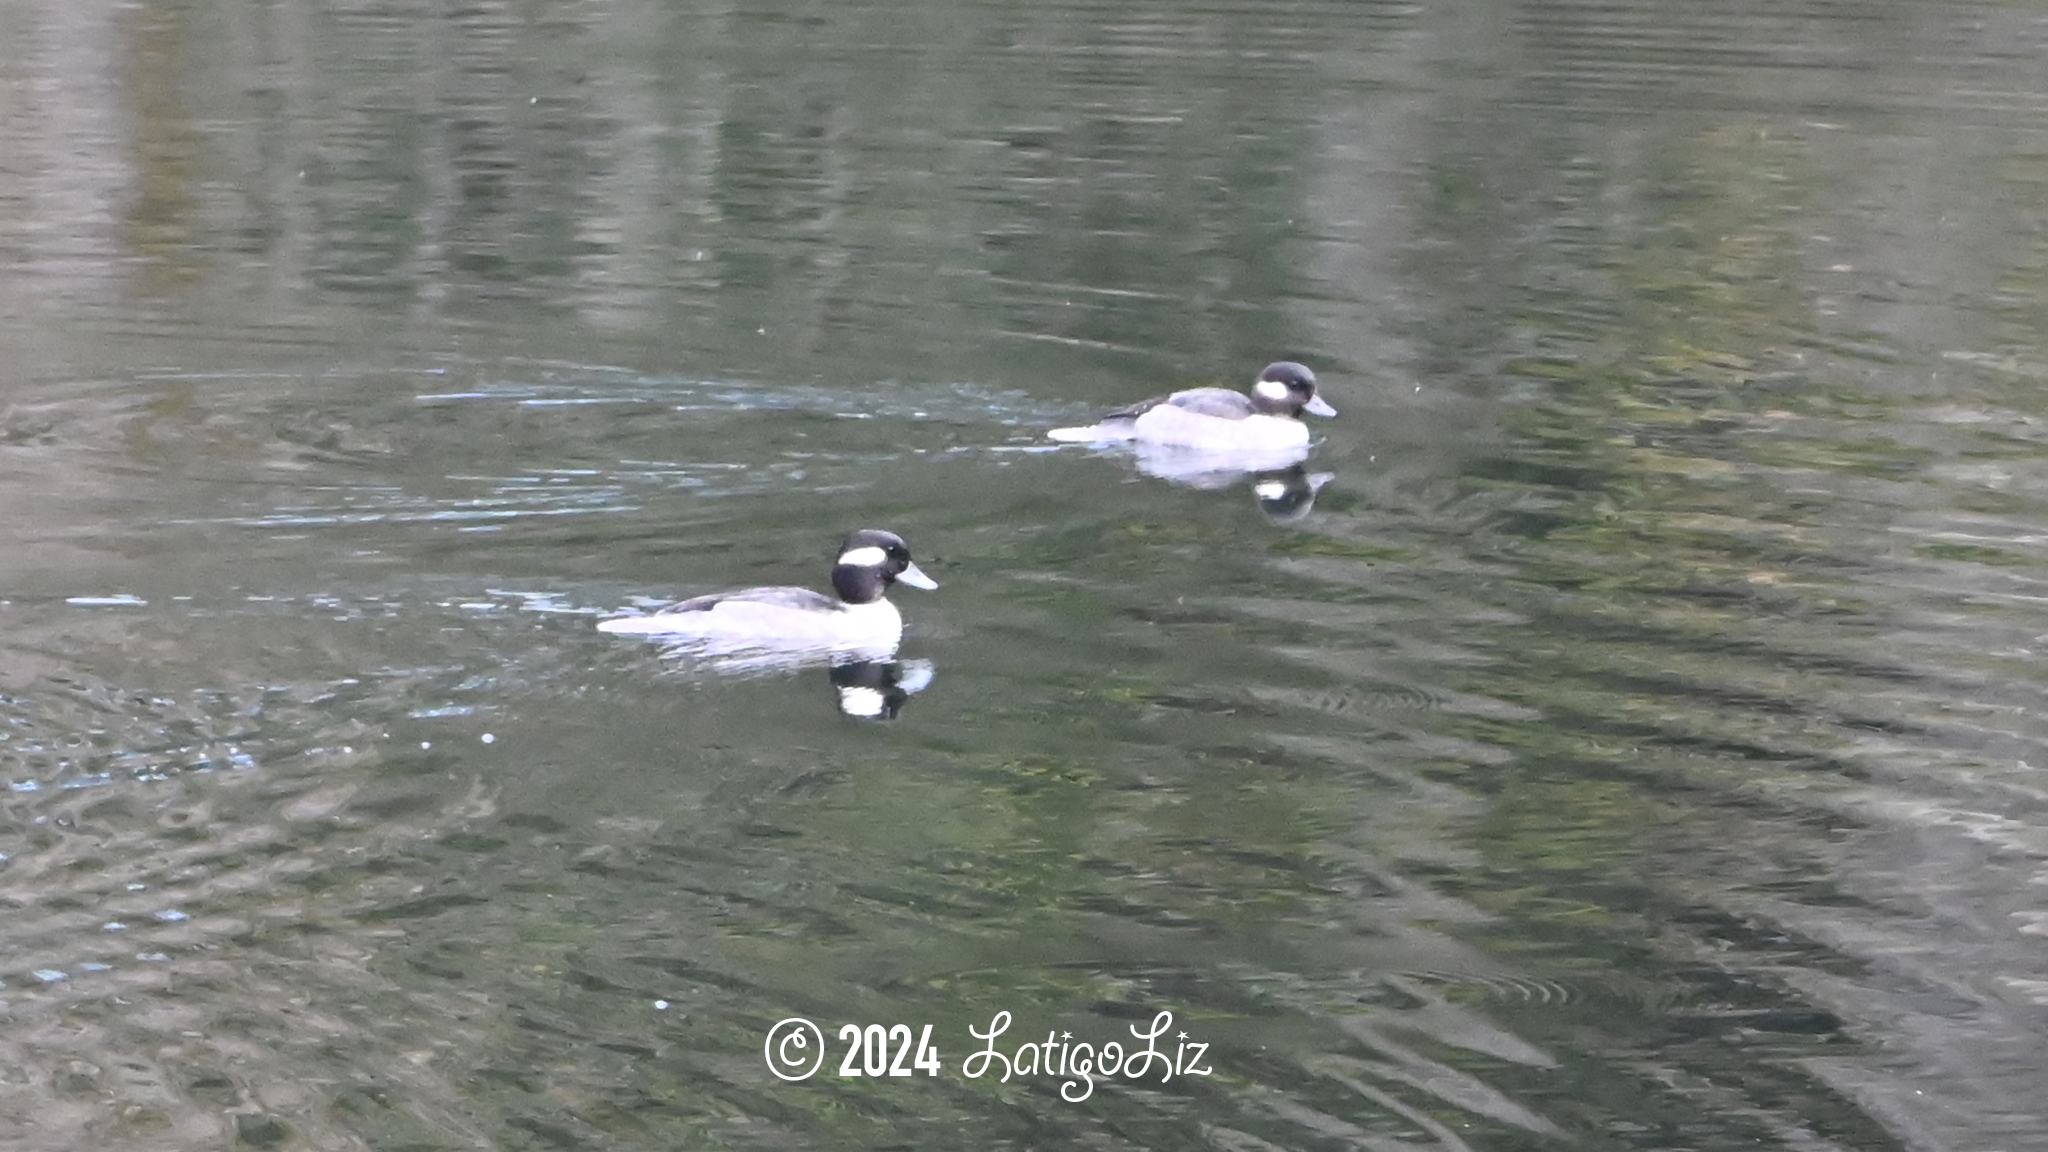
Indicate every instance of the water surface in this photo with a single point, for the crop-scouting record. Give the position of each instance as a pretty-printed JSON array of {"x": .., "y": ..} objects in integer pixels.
[{"x": 1634, "y": 745}]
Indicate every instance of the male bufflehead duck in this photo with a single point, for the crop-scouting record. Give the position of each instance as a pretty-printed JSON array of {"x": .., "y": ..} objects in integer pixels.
[
  {"x": 1217, "y": 418},
  {"x": 859, "y": 618}
]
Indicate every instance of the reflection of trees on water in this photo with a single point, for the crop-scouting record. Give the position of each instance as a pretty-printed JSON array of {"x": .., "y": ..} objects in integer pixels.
[
  {"x": 1734, "y": 500},
  {"x": 816, "y": 175}
]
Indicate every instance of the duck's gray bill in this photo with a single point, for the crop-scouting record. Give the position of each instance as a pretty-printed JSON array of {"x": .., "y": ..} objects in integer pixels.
[
  {"x": 916, "y": 578},
  {"x": 1317, "y": 406}
]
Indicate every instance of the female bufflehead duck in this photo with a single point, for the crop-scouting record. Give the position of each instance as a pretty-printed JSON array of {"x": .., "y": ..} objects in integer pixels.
[
  {"x": 858, "y": 619},
  {"x": 1217, "y": 418}
]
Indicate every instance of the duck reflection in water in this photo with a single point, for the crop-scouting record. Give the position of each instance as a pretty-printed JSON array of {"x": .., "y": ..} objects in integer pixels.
[
  {"x": 1282, "y": 486},
  {"x": 867, "y": 684},
  {"x": 1286, "y": 495},
  {"x": 879, "y": 689}
]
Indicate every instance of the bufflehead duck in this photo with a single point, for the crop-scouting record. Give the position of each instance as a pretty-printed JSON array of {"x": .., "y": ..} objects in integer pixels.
[
  {"x": 859, "y": 619},
  {"x": 1217, "y": 418}
]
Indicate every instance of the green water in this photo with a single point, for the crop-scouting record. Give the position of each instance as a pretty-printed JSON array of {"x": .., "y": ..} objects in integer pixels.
[{"x": 1634, "y": 745}]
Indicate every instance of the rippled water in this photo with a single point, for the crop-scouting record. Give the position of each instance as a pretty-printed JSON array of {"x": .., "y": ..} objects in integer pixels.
[{"x": 1620, "y": 732}]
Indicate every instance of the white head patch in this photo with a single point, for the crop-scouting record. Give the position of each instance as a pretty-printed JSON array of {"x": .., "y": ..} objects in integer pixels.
[
  {"x": 1270, "y": 489},
  {"x": 1270, "y": 389},
  {"x": 868, "y": 557}
]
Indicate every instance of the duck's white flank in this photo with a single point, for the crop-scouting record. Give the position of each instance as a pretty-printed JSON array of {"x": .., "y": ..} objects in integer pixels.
[
  {"x": 1167, "y": 424},
  {"x": 751, "y": 624}
]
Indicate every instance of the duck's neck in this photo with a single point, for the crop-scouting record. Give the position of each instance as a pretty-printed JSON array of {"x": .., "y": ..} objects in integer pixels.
[{"x": 858, "y": 585}]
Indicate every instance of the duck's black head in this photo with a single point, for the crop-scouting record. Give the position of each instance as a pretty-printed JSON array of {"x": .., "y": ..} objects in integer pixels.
[
  {"x": 869, "y": 561},
  {"x": 1287, "y": 388}
]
